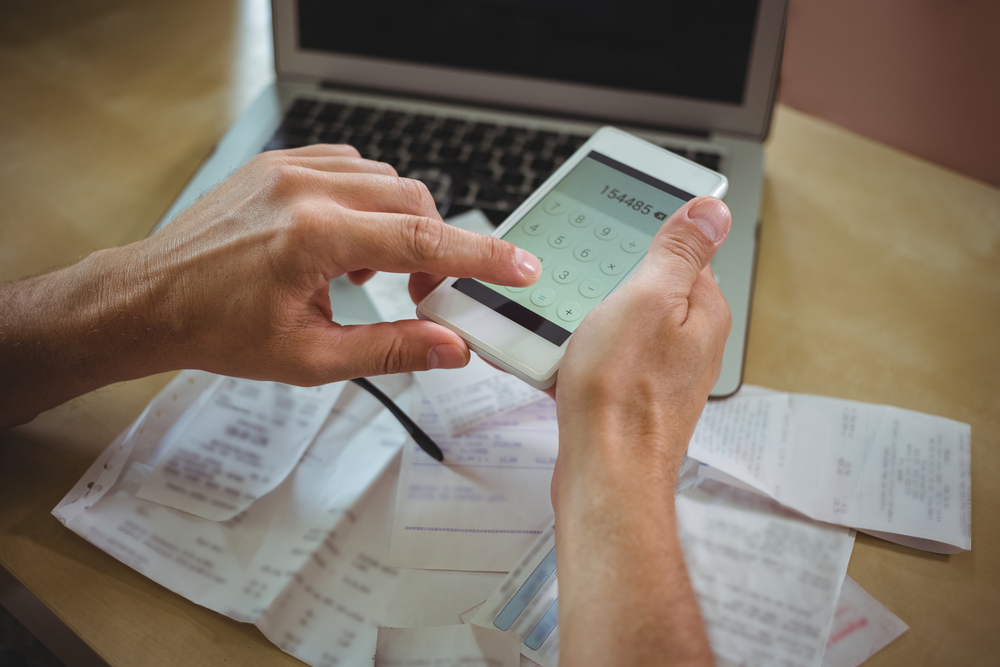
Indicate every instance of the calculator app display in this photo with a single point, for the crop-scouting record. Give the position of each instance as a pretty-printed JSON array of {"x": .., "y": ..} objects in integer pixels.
[{"x": 588, "y": 233}]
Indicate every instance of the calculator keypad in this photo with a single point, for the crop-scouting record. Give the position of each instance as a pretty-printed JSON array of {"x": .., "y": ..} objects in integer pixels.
[{"x": 584, "y": 255}]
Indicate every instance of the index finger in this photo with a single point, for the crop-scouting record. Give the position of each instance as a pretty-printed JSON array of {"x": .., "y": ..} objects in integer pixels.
[{"x": 416, "y": 244}]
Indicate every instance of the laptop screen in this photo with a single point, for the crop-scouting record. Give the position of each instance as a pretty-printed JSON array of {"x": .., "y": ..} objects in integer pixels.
[{"x": 698, "y": 50}]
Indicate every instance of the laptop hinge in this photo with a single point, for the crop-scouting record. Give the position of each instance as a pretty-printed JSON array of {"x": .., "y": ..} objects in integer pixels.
[{"x": 332, "y": 85}]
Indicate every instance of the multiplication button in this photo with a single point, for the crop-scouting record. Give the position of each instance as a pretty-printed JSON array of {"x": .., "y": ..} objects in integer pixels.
[
  {"x": 570, "y": 311},
  {"x": 612, "y": 266},
  {"x": 555, "y": 205},
  {"x": 559, "y": 239},
  {"x": 592, "y": 288},
  {"x": 542, "y": 296},
  {"x": 564, "y": 275}
]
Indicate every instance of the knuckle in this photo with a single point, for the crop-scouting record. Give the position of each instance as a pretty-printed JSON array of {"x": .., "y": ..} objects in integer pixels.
[
  {"x": 425, "y": 237},
  {"x": 684, "y": 246},
  {"x": 414, "y": 195},
  {"x": 387, "y": 169},
  {"x": 347, "y": 149},
  {"x": 283, "y": 179},
  {"x": 393, "y": 358}
]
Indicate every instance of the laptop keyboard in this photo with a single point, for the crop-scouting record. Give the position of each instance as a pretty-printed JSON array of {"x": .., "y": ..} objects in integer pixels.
[{"x": 465, "y": 164}]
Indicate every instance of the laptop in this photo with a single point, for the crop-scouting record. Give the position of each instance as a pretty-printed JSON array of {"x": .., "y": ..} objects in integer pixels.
[{"x": 483, "y": 99}]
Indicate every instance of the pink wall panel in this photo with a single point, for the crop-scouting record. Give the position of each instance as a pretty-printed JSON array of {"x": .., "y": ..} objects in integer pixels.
[{"x": 920, "y": 75}]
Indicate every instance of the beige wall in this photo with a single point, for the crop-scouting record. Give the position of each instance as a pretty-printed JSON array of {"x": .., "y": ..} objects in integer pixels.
[{"x": 920, "y": 75}]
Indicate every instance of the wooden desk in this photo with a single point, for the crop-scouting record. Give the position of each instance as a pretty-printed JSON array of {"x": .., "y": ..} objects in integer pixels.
[{"x": 878, "y": 280}]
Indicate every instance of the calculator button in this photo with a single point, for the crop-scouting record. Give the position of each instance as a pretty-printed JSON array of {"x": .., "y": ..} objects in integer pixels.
[
  {"x": 633, "y": 245},
  {"x": 543, "y": 296},
  {"x": 579, "y": 219},
  {"x": 559, "y": 239},
  {"x": 542, "y": 257},
  {"x": 570, "y": 311},
  {"x": 515, "y": 290},
  {"x": 612, "y": 266},
  {"x": 592, "y": 288},
  {"x": 555, "y": 206},
  {"x": 605, "y": 232},
  {"x": 585, "y": 252},
  {"x": 564, "y": 275},
  {"x": 534, "y": 228}
]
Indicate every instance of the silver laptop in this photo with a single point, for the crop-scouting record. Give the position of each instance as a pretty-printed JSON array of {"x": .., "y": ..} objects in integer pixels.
[{"x": 482, "y": 99}]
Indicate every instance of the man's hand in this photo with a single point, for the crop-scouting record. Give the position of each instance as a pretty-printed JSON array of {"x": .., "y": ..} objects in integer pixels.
[
  {"x": 238, "y": 285},
  {"x": 631, "y": 388},
  {"x": 647, "y": 357}
]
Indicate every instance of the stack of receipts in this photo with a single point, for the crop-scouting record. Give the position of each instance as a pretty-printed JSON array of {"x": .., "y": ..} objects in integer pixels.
[{"x": 341, "y": 542}]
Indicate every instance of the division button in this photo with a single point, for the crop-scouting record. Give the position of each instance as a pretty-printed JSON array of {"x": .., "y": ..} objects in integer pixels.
[
  {"x": 612, "y": 266},
  {"x": 634, "y": 245},
  {"x": 570, "y": 311},
  {"x": 592, "y": 288},
  {"x": 564, "y": 275},
  {"x": 542, "y": 297}
]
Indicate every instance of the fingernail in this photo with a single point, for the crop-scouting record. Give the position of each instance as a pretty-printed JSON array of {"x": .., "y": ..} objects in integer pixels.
[
  {"x": 445, "y": 356},
  {"x": 528, "y": 263},
  {"x": 712, "y": 217}
]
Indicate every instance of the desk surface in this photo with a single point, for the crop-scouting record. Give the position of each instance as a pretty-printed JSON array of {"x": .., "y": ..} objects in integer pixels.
[{"x": 878, "y": 280}]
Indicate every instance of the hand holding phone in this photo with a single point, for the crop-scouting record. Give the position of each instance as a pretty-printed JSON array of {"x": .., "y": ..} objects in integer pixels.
[{"x": 590, "y": 225}]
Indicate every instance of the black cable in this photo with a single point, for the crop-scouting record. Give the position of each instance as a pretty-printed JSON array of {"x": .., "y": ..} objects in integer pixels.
[{"x": 415, "y": 431}]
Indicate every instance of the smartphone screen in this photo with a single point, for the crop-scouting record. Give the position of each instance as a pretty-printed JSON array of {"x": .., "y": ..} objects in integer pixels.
[{"x": 588, "y": 232}]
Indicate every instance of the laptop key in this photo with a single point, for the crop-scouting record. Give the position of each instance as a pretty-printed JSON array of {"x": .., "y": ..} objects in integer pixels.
[
  {"x": 511, "y": 161},
  {"x": 710, "y": 160},
  {"x": 512, "y": 179},
  {"x": 330, "y": 112},
  {"x": 420, "y": 148},
  {"x": 444, "y": 133},
  {"x": 543, "y": 165},
  {"x": 301, "y": 108},
  {"x": 388, "y": 144},
  {"x": 480, "y": 157}
]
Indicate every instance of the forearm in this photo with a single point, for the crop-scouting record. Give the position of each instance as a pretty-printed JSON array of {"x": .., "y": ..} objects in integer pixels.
[
  {"x": 624, "y": 593},
  {"x": 68, "y": 332}
]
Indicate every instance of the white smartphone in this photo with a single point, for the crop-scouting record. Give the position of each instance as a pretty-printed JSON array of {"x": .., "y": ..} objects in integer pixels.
[{"x": 590, "y": 224}]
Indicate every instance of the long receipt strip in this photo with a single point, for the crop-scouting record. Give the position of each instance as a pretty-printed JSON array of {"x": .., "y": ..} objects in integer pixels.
[
  {"x": 306, "y": 563},
  {"x": 489, "y": 500},
  {"x": 464, "y": 397},
  {"x": 896, "y": 474},
  {"x": 236, "y": 444},
  {"x": 766, "y": 581}
]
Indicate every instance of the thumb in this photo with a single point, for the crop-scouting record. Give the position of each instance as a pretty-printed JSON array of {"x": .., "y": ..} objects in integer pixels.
[
  {"x": 394, "y": 347},
  {"x": 686, "y": 242}
]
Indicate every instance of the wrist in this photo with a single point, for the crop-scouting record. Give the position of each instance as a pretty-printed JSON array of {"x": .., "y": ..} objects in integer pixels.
[{"x": 68, "y": 332}]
